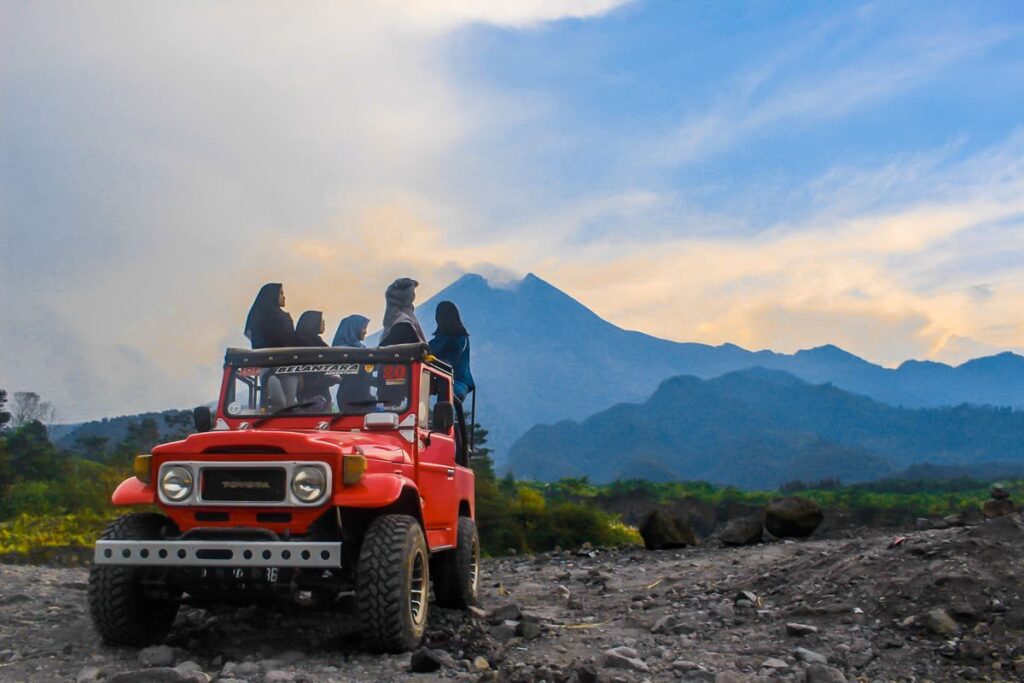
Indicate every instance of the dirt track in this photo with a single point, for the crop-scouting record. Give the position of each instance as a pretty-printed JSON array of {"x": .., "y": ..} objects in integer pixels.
[{"x": 683, "y": 614}]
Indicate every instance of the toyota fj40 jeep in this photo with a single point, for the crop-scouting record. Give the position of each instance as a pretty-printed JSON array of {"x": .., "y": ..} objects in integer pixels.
[{"x": 325, "y": 473}]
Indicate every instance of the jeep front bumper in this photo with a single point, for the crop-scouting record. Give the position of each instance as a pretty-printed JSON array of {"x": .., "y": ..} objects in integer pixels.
[{"x": 212, "y": 553}]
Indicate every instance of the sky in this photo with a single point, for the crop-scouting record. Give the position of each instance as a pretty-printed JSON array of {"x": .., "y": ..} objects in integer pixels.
[{"x": 776, "y": 175}]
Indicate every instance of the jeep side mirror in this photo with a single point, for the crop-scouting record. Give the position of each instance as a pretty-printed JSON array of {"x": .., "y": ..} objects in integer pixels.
[
  {"x": 443, "y": 418},
  {"x": 203, "y": 419}
]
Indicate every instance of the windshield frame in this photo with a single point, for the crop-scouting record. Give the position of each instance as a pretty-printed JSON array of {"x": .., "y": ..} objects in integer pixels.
[{"x": 389, "y": 376}]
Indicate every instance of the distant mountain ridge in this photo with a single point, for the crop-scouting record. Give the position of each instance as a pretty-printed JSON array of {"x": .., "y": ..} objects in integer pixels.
[
  {"x": 540, "y": 356},
  {"x": 759, "y": 428}
]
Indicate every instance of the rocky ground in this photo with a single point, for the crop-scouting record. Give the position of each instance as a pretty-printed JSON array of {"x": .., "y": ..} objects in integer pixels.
[{"x": 939, "y": 604}]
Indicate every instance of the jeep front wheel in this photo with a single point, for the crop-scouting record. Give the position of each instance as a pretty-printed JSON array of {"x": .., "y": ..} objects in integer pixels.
[
  {"x": 457, "y": 571},
  {"x": 121, "y": 609},
  {"x": 392, "y": 584}
]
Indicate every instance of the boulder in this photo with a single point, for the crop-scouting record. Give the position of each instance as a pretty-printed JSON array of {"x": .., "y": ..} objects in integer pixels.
[
  {"x": 792, "y": 517},
  {"x": 743, "y": 531},
  {"x": 662, "y": 530},
  {"x": 998, "y": 507}
]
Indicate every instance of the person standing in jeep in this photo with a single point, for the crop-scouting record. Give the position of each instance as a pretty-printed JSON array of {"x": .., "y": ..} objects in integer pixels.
[
  {"x": 400, "y": 323},
  {"x": 268, "y": 325}
]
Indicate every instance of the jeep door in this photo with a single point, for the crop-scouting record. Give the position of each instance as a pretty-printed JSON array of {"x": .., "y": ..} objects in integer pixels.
[{"x": 436, "y": 462}]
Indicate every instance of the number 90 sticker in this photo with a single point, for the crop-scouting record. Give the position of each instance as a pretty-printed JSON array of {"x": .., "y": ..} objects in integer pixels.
[{"x": 234, "y": 408}]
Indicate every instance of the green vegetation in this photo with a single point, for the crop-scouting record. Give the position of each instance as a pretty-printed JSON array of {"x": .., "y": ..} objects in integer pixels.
[{"x": 51, "y": 497}]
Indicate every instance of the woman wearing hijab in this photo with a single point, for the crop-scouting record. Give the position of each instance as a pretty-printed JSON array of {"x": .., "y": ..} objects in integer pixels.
[
  {"x": 451, "y": 344},
  {"x": 400, "y": 323},
  {"x": 268, "y": 325},
  {"x": 309, "y": 328},
  {"x": 314, "y": 386},
  {"x": 351, "y": 331}
]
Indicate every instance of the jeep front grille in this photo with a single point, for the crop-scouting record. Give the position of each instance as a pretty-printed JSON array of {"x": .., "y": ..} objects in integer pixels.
[{"x": 249, "y": 485}]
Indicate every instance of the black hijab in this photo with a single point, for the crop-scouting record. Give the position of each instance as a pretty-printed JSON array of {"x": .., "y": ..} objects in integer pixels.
[
  {"x": 265, "y": 307},
  {"x": 307, "y": 330},
  {"x": 449, "y": 322}
]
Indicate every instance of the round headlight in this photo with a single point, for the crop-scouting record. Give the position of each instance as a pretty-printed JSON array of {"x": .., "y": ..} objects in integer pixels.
[
  {"x": 176, "y": 484},
  {"x": 309, "y": 484}
]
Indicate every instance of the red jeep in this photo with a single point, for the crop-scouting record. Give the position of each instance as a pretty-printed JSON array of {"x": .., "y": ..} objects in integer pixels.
[{"x": 324, "y": 473}]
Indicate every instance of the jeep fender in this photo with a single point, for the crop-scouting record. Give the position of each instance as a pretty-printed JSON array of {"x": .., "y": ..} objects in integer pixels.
[
  {"x": 374, "y": 491},
  {"x": 131, "y": 491}
]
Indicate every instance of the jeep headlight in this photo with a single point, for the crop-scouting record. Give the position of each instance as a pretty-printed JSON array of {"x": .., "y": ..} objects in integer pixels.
[
  {"x": 309, "y": 484},
  {"x": 176, "y": 483}
]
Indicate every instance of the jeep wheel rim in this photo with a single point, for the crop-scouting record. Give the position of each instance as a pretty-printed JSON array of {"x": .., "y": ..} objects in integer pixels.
[
  {"x": 418, "y": 588},
  {"x": 474, "y": 566}
]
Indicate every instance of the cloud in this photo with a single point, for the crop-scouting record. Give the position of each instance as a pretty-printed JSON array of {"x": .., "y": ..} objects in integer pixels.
[
  {"x": 158, "y": 162},
  {"x": 443, "y": 14},
  {"x": 845, "y": 64}
]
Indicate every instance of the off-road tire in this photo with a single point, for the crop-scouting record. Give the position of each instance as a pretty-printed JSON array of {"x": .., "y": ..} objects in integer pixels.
[
  {"x": 457, "y": 572},
  {"x": 393, "y": 584},
  {"x": 121, "y": 611}
]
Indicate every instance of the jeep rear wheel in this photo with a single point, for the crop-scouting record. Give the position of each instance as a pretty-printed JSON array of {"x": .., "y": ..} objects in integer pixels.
[
  {"x": 392, "y": 584},
  {"x": 121, "y": 609},
  {"x": 457, "y": 572}
]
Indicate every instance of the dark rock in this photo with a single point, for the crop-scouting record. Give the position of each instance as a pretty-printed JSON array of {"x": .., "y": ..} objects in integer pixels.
[
  {"x": 528, "y": 630},
  {"x": 583, "y": 673},
  {"x": 792, "y": 517},
  {"x": 999, "y": 493},
  {"x": 800, "y": 630},
  {"x": 662, "y": 530},
  {"x": 425, "y": 660},
  {"x": 998, "y": 507},
  {"x": 14, "y": 598},
  {"x": 503, "y": 632},
  {"x": 507, "y": 612},
  {"x": 742, "y": 531}
]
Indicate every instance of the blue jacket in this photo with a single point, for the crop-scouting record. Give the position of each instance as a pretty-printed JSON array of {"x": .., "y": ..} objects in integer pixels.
[{"x": 454, "y": 350}]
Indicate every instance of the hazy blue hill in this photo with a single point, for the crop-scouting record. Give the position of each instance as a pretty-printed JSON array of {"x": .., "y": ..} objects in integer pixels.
[
  {"x": 114, "y": 429},
  {"x": 761, "y": 428},
  {"x": 539, "y": 356}
]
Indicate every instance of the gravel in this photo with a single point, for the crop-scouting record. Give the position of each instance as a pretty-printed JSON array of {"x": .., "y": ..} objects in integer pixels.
[{"x": 944, "y": 604}]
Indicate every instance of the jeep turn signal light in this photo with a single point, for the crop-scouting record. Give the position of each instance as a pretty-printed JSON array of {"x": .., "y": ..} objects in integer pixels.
[
  {"x": 141, "y": 466},
  {"x": 352, "y": 468}
]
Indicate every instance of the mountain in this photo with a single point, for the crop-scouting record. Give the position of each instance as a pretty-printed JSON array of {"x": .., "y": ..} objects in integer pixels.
[
  {"x": 113, "y": 430},
  {"x": 760, "y": 428},
  {"x": 540, "y": 356}
]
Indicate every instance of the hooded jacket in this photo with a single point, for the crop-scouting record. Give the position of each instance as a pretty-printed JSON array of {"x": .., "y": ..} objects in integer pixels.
[
  {"x": 268, "y": 325},
  {"x": 348, "y": 331},
  {"x": 400, "y": 323}
]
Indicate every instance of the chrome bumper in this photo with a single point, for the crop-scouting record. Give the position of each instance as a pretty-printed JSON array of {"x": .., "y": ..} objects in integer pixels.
[{"x": 209, "y": 553}]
